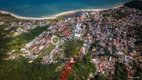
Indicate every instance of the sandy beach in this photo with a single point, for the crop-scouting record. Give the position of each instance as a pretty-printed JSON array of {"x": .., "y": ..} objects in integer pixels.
[{"x": 55, "y": 16}]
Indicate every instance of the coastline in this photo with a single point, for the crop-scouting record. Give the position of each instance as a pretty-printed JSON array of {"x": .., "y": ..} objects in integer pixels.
[{"x": 56, "y": 15}]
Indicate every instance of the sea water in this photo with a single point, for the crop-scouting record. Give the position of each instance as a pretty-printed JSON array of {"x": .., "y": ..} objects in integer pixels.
[{"x": 39, "y": 8}]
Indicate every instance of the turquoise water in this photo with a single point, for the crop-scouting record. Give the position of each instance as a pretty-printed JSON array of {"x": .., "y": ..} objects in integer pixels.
[{"x": 38, "y": 8}]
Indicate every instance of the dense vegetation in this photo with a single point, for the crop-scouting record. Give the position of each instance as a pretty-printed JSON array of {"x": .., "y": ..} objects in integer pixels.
[
  {"x": 71, "y": 48},
  {"x": 138, "y": 31},
  {"x": 138, "y": 72},
  {"x": 21, "y": 70},
  {"x": 82, "y": 69},
  {"x": 120, "y": 72},
  {"x": 134, "y": 4},
  {"x": 100, "y": 77}
]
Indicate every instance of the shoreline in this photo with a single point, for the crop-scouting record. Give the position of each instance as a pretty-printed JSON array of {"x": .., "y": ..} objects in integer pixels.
[{"x": 56, "y": 15}]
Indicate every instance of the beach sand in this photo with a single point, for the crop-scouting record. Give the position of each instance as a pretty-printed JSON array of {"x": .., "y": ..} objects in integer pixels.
[{"x": 55, "y": 16}]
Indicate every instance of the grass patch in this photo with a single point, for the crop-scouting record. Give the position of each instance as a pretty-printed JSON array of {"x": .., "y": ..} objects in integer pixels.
[{"x": 47, "y": 51}]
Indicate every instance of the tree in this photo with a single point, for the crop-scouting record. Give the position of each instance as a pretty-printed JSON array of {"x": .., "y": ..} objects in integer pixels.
[{"x": 100, "y": 77}]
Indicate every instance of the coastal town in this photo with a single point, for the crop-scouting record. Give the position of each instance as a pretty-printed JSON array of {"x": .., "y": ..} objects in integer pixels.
[{"x": 106, "y": 37}]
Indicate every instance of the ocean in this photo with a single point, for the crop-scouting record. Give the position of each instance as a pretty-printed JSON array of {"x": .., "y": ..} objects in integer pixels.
[{"x": 39, "y": 8}]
